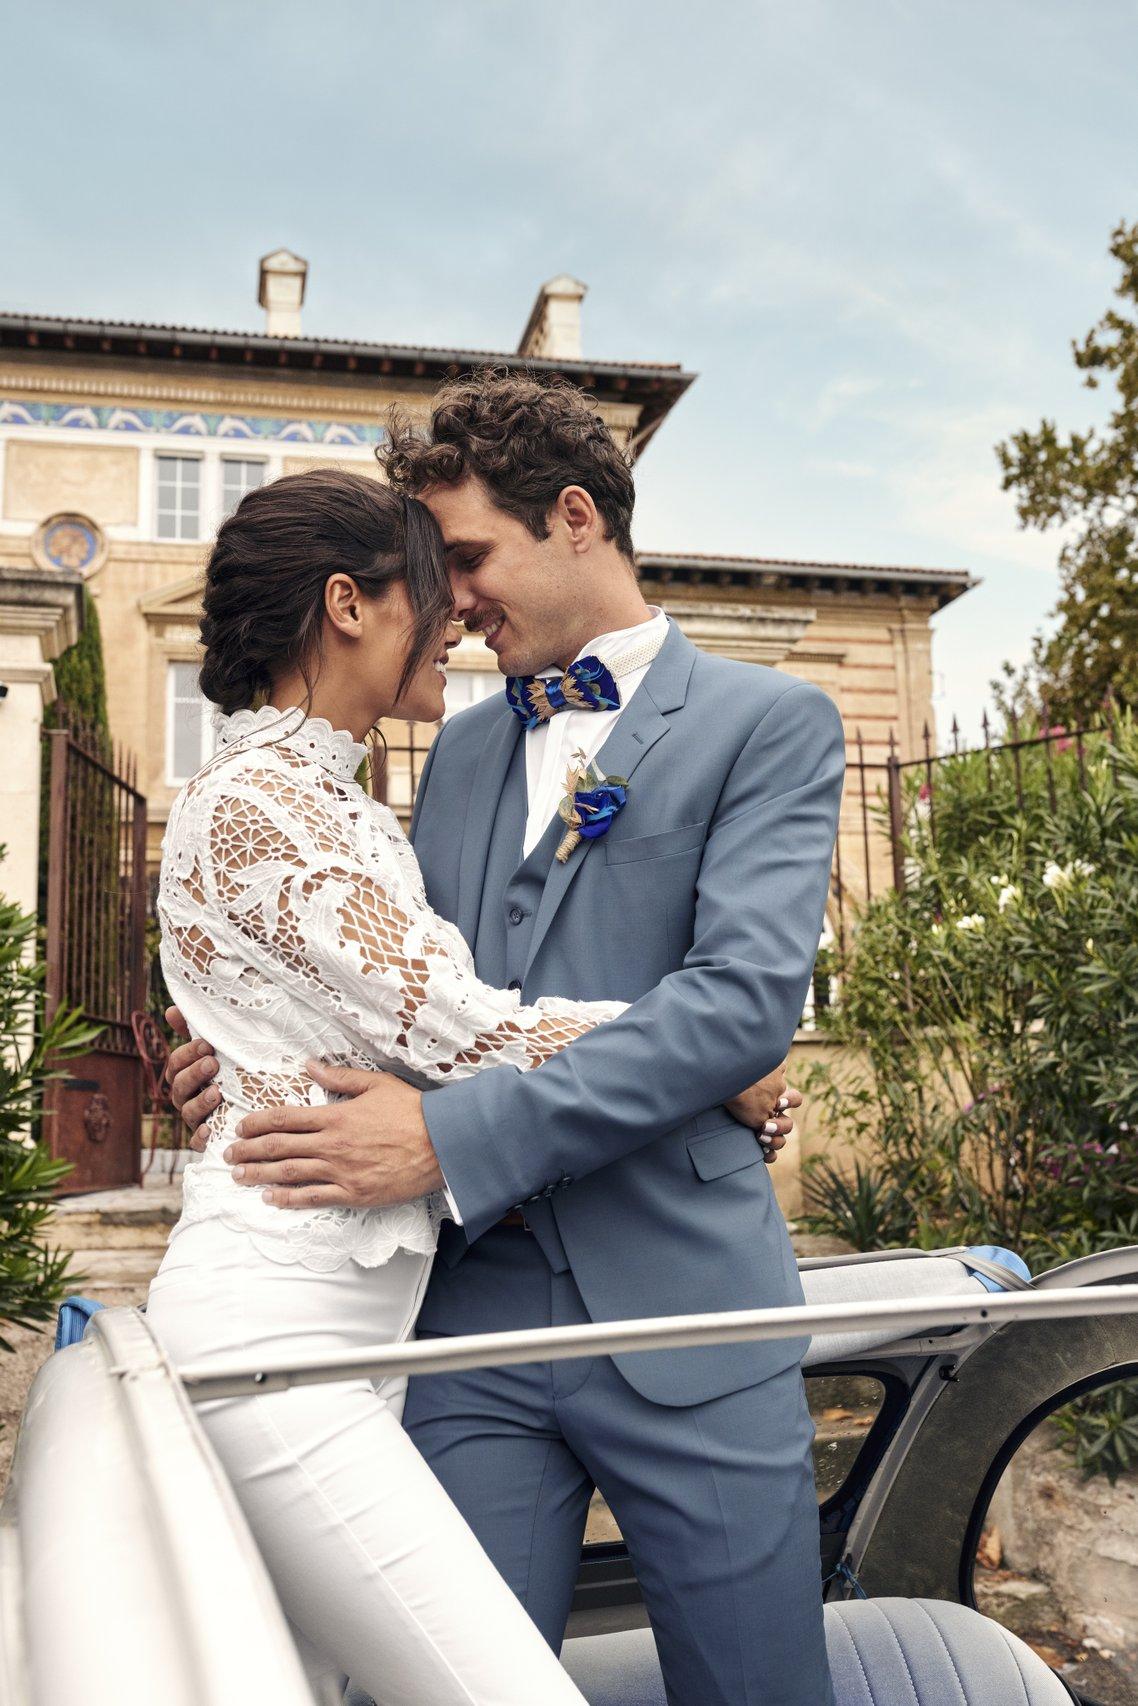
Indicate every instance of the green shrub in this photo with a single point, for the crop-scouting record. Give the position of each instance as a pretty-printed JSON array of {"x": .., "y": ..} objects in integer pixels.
[
  {"x": 1100, "y": 1430},
  {"x": 32, "y": 1278},
  {"x": 989, "y": 1080}
]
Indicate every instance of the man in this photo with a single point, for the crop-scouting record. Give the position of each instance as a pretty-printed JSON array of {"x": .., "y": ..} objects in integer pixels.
[{"x": 611, "y": 1182}]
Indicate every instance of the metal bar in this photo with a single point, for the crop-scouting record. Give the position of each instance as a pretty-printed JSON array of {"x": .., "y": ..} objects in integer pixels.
[
  {"x": 58, "y": 746},
  {"x": 1014, "y": 749},
  {"x": 926, "y": 737},
  {"x": 138, "y": 900},
  {"x": 864, "y": 815},
  {"x": 895, "y": 816},
  {"x": 1048, "y": 759},
  {"x": 205, "y": 1381}
]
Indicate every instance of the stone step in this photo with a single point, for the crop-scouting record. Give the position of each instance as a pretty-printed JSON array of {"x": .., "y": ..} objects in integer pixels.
[{"x": 139, "y": 1216}]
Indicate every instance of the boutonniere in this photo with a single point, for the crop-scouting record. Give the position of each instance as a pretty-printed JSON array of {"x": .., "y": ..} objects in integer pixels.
[{"x": 591, "y": 803}]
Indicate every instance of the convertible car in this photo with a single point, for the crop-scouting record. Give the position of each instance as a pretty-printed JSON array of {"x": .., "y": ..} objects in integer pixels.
[{"x": 128, "y": 1576}]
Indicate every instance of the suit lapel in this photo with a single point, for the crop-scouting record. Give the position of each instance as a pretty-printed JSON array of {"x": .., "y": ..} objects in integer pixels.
[
  {"x": 636, "y": 733},
  {"x": 485, "y": 796}
]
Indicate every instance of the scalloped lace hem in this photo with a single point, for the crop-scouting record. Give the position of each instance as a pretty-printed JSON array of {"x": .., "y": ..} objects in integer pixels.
[{"x": 321, "y": 1240}]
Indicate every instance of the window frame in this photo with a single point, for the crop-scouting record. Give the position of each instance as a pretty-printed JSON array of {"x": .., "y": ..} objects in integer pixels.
[
  {"x": 207, "y": 744},
  {"x": 179, "y": 538},
  {"x": 227, "y": 459}
]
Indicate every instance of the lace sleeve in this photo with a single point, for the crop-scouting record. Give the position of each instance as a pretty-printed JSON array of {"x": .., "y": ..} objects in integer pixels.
[{"x": 348, "y": 933}]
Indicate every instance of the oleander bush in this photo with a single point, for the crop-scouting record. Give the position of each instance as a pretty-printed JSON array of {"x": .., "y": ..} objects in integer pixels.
[
  {"x": 33, "y": 1278},
  {"x": 989, "y": 1015}
]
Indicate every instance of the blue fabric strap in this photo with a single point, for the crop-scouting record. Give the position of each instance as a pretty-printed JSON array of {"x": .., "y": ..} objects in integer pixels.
[
  {"x": 74, "y": 1314},
  {"x": 998, "y": 1257}
]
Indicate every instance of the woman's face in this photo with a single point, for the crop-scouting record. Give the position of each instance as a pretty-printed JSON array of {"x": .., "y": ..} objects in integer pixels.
[{"x": 421, "y": 700}]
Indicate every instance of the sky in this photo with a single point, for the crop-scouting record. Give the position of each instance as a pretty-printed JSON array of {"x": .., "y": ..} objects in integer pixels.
[{"x": 871, "y": 227}]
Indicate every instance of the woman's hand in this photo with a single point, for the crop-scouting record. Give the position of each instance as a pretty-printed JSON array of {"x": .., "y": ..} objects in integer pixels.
[{"x": 765, "y": 1107}]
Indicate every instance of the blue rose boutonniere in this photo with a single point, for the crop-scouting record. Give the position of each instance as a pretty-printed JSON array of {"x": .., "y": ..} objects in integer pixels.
[{"x": 591, "y": 803}]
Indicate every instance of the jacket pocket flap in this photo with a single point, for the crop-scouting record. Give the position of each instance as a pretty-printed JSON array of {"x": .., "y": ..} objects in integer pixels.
[
  {"x": 681, "y": 840},
  {"x": 718, "y": 1152}
]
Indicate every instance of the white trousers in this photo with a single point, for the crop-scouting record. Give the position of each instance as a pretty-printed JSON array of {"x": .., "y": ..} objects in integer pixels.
[{"x": 371, "y": 1562}]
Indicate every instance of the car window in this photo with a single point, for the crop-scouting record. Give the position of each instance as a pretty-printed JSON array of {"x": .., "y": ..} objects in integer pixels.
[{"x": 1057, "y": 1556}]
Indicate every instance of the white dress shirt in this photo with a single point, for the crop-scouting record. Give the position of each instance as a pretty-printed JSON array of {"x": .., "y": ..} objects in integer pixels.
[{"x": 550, "y": 745}]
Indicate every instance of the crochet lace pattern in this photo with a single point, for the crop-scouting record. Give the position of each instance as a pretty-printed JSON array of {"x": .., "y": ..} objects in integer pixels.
[{"x": 294, "y": 925}]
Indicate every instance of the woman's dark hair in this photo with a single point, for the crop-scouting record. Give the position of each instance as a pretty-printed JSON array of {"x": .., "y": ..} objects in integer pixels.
[
  {"x": 263, "y": 607},
  {"x": 526, "y": 440}
]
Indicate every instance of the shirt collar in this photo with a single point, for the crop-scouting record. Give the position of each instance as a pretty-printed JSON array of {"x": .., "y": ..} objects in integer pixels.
[{"x": 612, "y": 645}]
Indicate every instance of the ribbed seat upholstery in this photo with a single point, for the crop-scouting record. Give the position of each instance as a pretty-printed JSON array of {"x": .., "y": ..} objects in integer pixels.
[{"x": 883, "y": 1652}]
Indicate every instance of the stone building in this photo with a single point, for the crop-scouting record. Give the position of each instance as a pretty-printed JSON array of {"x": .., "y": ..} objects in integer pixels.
[{"x": 123, "y": 446}]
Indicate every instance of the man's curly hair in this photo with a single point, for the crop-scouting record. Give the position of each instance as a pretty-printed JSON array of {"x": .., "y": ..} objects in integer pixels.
[{"x": 525, "y": 440}]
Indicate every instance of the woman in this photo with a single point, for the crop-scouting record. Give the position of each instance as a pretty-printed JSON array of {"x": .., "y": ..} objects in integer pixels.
[{"x": 294, "y": 924}]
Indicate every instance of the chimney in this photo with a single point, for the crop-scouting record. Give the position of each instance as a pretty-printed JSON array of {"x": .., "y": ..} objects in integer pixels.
[
  {"x": 554, "y": 325},
  {"x": 281, "y": 292}
]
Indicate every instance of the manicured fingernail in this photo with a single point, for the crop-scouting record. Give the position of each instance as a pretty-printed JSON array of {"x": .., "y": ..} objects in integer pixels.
[
  {"x": 771, "y": 1128},
  {"x": 782, "y": 1104},
  {"x": 238, "y": 1172},
  {"x": 228, "y": 1155},
  {"x": 266, "y": 1196}
]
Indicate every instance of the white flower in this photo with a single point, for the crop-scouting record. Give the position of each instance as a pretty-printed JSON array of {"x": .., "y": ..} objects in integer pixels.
[
  {"x": 1061, "y": 876},
  {"x": 971, "y": 921},
  {"x": 1007, "y": 896},
  {"x": 1090, "y": 944}
]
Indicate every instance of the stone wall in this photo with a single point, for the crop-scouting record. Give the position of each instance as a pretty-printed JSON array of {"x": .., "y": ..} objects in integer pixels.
[{"x": 1079, "y": 1538}]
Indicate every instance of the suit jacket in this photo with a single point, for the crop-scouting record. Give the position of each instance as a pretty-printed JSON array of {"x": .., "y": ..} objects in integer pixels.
[{"x": 703, "y": 906}]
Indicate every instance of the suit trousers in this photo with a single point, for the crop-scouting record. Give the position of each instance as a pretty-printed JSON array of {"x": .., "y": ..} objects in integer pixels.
[
  {"x": 371, "y": 1562},
  {"x": 716, "y": 1501}
]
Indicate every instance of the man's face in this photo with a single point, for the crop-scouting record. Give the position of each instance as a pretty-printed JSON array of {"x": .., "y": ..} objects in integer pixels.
[{"x": 515, "y": 590}]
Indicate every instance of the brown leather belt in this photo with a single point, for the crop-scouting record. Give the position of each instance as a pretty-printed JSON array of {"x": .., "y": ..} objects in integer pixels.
[{"x": 514, "y": 1218}]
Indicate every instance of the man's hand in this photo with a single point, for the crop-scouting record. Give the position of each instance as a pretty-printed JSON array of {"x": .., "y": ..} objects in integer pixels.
[
  {"x": 375, "y": 1096},
  {"x": 189, "y": 1073},
  {"x": 361, "y": 1153},
  {"x": 765, "y": 1107}
]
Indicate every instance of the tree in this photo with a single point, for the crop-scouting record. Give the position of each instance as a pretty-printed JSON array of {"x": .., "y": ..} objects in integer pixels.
[
  {"x": 80, "y": 676},
  {"x": 1088, "y": 482}
]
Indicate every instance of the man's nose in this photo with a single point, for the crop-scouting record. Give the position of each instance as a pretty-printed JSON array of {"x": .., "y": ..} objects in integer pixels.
[{"x": 464, "y": 597}]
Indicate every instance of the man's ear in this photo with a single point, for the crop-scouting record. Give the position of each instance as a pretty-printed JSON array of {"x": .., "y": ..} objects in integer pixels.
[
  {"x": 342, "y": 601},
  {"x": 576, "y": 509}
]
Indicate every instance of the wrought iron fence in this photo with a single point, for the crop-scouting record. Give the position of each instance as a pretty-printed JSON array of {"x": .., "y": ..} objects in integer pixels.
[
  {"x": 876, "y": 820},
  {"x": 95, "y": 850}
]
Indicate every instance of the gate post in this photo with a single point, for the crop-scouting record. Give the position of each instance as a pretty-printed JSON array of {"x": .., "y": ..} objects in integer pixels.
[{"x": 40, "y": 615}]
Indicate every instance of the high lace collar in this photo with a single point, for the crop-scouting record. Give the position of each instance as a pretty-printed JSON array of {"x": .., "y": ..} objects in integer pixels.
[{"x": 311, "y": 737}]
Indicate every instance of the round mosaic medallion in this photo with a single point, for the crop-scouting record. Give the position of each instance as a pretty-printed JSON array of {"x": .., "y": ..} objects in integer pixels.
[{"x": 69, "y": 542}]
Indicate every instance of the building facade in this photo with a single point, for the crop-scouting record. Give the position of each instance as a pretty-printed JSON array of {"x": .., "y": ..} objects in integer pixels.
[{"x": 122, "y": 447}]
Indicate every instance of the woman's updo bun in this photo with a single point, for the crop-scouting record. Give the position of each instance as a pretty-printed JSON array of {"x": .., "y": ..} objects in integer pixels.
[{"x": 263, "y": 606}]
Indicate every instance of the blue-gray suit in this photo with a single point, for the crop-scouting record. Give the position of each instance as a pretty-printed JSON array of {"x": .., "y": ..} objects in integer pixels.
[{"x": 702, "y": 906}]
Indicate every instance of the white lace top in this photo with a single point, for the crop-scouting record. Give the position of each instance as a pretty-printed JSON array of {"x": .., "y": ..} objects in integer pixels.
[{"x": 294, "y": 924}]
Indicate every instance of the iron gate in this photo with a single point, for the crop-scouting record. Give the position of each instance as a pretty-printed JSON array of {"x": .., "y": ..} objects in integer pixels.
[{"x": 96, "y": 952}]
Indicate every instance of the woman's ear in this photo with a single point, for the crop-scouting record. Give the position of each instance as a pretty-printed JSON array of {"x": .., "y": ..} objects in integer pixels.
[
  {"x": 342, "y": 602},
  {"x": 577, "y": 510}
]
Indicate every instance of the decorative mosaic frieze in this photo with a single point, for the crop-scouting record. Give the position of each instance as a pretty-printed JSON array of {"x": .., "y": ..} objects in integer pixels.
[{"x": 188, "y": 423}]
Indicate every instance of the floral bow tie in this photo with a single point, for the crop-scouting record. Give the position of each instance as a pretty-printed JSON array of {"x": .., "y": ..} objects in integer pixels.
[{"x": 586, "y": 686}]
